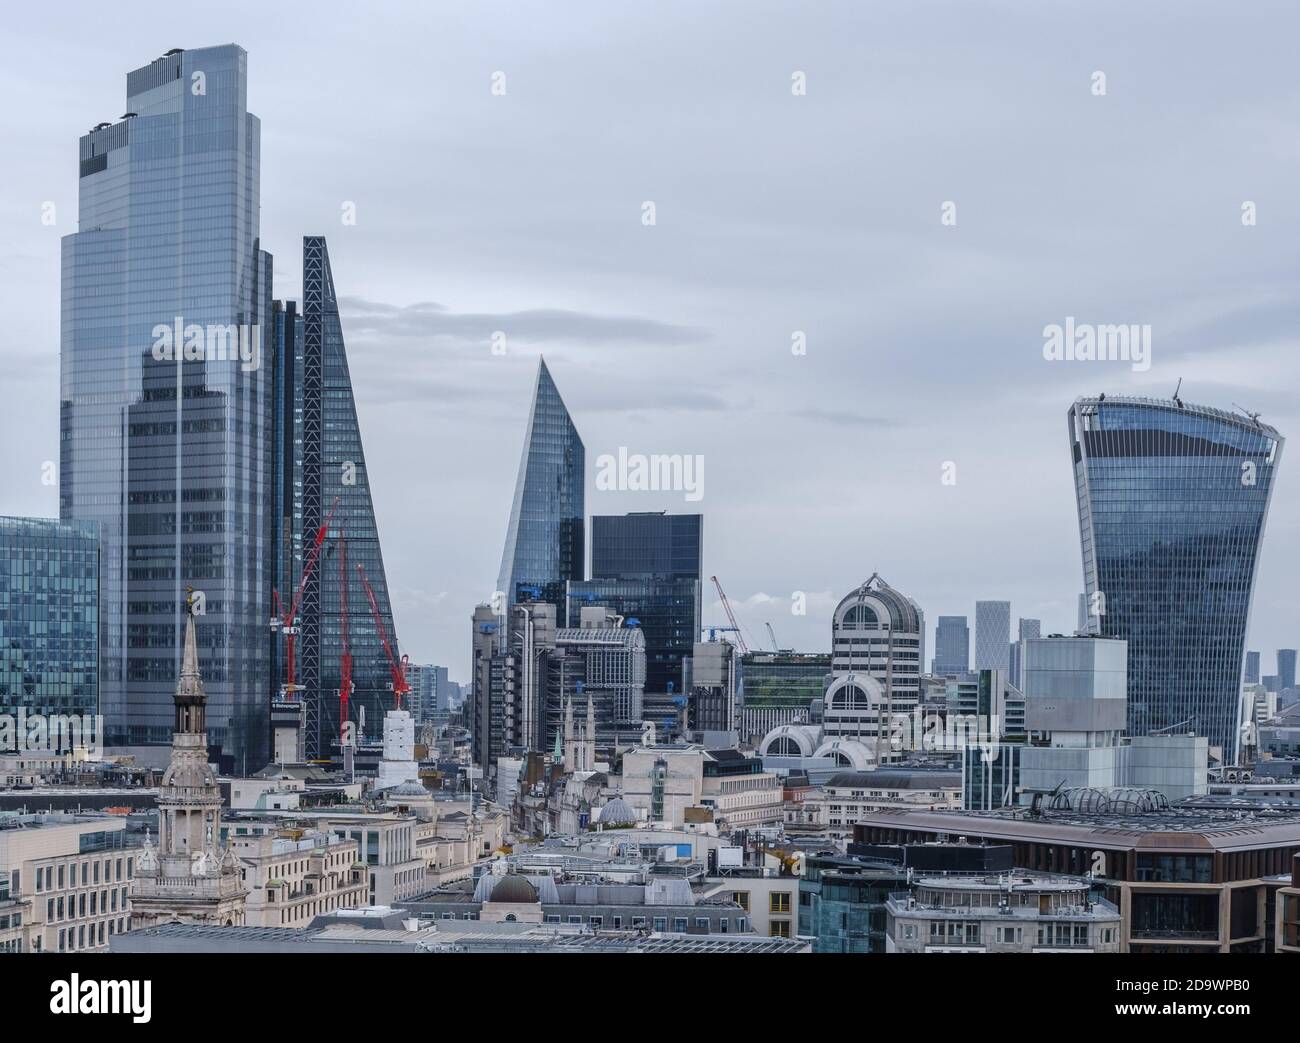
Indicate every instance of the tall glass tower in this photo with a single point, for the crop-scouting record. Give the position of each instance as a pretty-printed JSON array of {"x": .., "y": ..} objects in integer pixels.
[
  {"x": 544, "y": 540},
  {"x": 330, "y": 481},
  {"x": 164, "y": 434},
  {"x": 951, "y": 646},
  {"x": 1172, "y": 502}
]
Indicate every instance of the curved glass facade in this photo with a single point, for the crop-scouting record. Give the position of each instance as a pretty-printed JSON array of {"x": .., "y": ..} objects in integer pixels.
[{"x": 1172, "y": 502}]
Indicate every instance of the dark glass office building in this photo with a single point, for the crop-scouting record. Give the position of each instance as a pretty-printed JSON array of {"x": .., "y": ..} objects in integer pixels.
[
  {"x": 544, "y": 539},
  {"x": 320, "y": 467},
  {"x": 49, "y": 617},
  {"x": 165, "y": 404},
  {"x": 951, "y": 646},
  {"x": 1172, "y": 503},
  {"x": 646, "y": 566},
  {"x": 664, "y": 609}
]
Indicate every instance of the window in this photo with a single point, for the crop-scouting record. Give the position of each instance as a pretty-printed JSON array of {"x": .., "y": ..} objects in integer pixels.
[
  {"x": 779, "y": 902},
  {"x": 661, "y": 923},
  {"x": 741, "y": 898},
  {"x": 779, "y": 929},
  {"x": 679, "y": 924}
]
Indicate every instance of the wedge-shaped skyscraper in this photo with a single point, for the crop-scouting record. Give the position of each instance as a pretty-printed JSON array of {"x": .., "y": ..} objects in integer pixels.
[
  {"x": 322, "y": 479},
  {"x": 1172, "y": 503},
  {"x": 544, "y": 540}
]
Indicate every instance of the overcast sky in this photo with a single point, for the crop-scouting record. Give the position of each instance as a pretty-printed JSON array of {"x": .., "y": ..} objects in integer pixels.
[{"x": 775, "y": 213}]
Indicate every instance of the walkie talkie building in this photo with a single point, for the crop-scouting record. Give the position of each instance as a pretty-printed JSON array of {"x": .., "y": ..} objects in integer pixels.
[{"x": 1172, "y": 503}]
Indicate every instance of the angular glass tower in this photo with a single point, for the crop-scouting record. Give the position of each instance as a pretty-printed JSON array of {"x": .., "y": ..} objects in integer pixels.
[
  {"x": 1172, "y": 503},
  {"x": 167, "y": 450},
  {"x": 320, "y": 461},
  {"x": 544, "y": 540}
]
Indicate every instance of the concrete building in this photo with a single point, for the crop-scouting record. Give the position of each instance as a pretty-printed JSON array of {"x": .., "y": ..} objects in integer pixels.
[
  {"x": 876, "y": 636},
  {"x": 682, "y": 783},
  {"x": 1075, "y": 712},
  {"x": 64, "y": 881},
  {"x": 297, "y": 875},
  {"x": 1012, "y": 911},
  {"x": 388, "y": 930},
  {"x": 649, "y": 901},
  {"x": 1184, "y": 879},
  {"x": 852, "y": 795}
]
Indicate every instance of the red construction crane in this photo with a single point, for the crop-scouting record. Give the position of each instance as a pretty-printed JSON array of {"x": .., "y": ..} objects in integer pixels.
[
  {"x": 287, "y": 623},
  {"x": 400, "y": 687},
  {"x": 345, "y": 659},
  {"x": 726, "y": 607}
]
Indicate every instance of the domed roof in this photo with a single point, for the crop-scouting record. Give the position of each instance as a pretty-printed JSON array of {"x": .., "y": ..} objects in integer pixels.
[
  {"x": 512, "y": 887},
  {"x": 406, "y": 789},
  {"x": 617, "y": 813},
  {"x": 876, "y": 604}
]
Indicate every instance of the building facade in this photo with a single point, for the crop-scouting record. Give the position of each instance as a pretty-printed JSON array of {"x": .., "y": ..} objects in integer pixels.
[
  {"x": 1172, "y": 503},
  {"x": 993, "y": 635},
  {"x": 64, "y": 881},
  {"x": 951, "y": 646},
  {"x": 49, "y": 618},
  {"x": 191, "y": 877},
  {"x": 165, "y": 400},
  {"x": 544, "y": 546},
  {"x": 663, "y": 551}
]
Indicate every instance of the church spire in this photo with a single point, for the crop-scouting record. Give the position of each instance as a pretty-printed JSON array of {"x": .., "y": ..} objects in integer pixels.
[{"x": 191, "y": 700}]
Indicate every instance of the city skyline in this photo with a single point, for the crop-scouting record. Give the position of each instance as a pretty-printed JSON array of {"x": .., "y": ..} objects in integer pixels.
[{"x": 646, "y": 362}]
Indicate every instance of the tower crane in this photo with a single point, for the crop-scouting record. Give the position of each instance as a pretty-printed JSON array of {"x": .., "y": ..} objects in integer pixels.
[
  {"x": 400, "y": 687},
  {"x": 287, "y": 623},
  {"x": 731, "y": 616}
]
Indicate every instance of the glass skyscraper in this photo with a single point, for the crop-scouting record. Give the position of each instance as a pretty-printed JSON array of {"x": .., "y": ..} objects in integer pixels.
[
  {"x": 544, "y": 540},
  {"x": 951, "y": 646},
  {"x": 993, "y": 635},
  {"x": 165, "y": 398},
  {"x": 320, "y": 460},
  {"x": 1172, "y": 503},
  {"x": 646, "y": 566},
  {"x": 49, "y": 617}
]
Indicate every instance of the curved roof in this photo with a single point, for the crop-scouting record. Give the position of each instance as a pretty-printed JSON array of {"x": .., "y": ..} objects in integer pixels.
[
  {"x": 512, "y": 887},
  {"x": 617, "y": 813},
  {"x": 857, "y": 754},
  {"x": 804, "y": 736},
  {"x": 876, "y": 603}
]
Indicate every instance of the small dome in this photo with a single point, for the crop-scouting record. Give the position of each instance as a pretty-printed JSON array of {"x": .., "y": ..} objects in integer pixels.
[
  {"x": 514, "y": 888},
  {"x": 406, "y": 789},
  {"x": 617, "y": 813}
]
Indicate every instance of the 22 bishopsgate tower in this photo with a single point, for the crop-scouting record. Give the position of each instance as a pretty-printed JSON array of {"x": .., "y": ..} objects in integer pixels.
[
  {"x": 209, "y": 432},
  {"x": 164, "y": 398},
  {"x": 1172, "y": 503}
]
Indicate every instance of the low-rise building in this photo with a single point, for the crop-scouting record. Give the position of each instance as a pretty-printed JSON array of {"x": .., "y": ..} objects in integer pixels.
[
  {"x": 295, "y": 876},
  {"x": 1184, "y": 878},
  {"x": 1011, "y": 911},
  {"x": 64, "y": 881}
]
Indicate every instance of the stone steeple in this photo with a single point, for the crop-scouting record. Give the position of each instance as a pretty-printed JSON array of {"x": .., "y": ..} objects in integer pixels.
[{"x": 188, "y": 878}]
